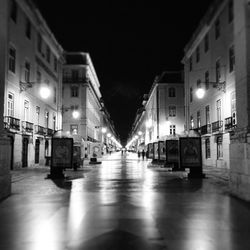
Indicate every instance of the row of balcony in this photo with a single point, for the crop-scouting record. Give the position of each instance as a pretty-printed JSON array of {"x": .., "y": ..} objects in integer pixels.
[
  {"x": 27, "y": 127},
  {"x": 217, "y": 126}
]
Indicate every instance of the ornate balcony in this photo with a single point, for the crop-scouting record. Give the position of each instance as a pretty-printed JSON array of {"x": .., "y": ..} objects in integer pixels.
[
  {"x": 27, "y": 127},
  {"x": 40, "y": 130},
  {"x": 217, "y": 126},
  {"x": 206, "y": 129},
  {"x": 229, "y": 124},
  {"x": 49, "y": 132},
  {"x": 11, "y": 123}
]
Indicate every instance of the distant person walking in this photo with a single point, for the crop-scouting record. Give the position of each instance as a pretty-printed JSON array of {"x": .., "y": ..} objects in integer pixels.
[
  {"x": 139, "y": 154},
  {"x": 143, "y": 154}
]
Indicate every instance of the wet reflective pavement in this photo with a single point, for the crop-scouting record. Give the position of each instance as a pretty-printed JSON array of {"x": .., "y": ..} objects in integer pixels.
[{"x": 123, "y": 204}]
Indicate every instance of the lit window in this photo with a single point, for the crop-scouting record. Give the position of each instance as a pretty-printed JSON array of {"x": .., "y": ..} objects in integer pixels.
[
  {"x": 191, "y": 122},
  {"x": 12, "y": 59},
  {"x": 172, "y": 129},
  {"x": 198, "y": 119},
  {"x": 74, "y": 129},
  {"x": 10, "y": 104}
]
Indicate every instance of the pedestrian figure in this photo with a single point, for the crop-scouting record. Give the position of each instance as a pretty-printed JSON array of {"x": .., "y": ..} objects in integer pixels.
[
  {"x": 139, "y": 154},
  {"x": 143, "y": 154}
]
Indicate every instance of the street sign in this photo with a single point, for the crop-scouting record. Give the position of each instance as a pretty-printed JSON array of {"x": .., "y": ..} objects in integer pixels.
[{"x": 62, "y": 152}]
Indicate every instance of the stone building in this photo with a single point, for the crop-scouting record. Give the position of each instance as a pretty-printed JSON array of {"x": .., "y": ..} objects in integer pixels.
[
  {"x": 84, "y": 114},
  {"x": 162, "y": 113},
  {"x": 31, "y": 76},
  {"x": 216, "y": 64}
]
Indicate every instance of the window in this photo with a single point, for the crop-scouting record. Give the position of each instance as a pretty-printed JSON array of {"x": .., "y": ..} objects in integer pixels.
[
  {"x": 230, "y": 11},
  {"x": 207, "y": 148},
  {"x": 37, "y": 114},
  {"x": 172, "y": 111},
  {"x": 48, "y": 54},
  {"x": 46, "y": 116},
  {"x": 38, "y": 76},
  {"x": 191, "y": 122},
  {"x": 190, "y": 64},
  {"x": 54, "y": 121},
  {"x": 12, "y": 59},
  {"x": 54, "y": 95},
  {"x": 198, "y": 119},
  {"x": 13, "y": 11},
  {"x": 171, "y": 92},
  {"x": 55, "y": 63},
  {"x": 217, "y": 29},
  {"x": 28, "y": 28},
  {"x": 197, "y": 54},
  {"x": 233, "y": 108},
  {"x": 74, "y": 91},
  {"x": 75, "y": 75},
  {"x": 206, "y": 43},
  {"x": 74, "y": 129},
  {"x": 39, "y": 43},
  {"x": 207, "y": 80},
  {"x": 172, "y": 129},
  {"x": 231, "y": 59},
  {"x": 27, "y": 72},
  {"x": 217, "y": 71},
  {"x": 218, "y": 109},
  {"x": 207, "y": 110},
  {"x": 219, "y": 147},
  {"x": 26, "y": 110},
  {"x": 11, "y": 105},
  {"x": 191, "y": 94}
]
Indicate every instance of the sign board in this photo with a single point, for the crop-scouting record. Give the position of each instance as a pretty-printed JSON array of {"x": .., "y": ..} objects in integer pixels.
[
  {"x": 190, "y": 152},
  {"x": 95, "y": 150},
  {"x": 156, "y": 151},
  {"x": 162, "y": 150},
  {"x": 172, "y": 151},
  {"x": 150, "y": 151},
  {"x": 62, "y": 152}
]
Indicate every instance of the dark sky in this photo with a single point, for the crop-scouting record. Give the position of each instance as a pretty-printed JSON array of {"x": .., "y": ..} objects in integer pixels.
[{"x": 130, "y": 42}]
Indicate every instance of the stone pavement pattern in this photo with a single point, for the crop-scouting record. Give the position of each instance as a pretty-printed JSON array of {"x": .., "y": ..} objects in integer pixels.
[{"x": 122, "y": 204}]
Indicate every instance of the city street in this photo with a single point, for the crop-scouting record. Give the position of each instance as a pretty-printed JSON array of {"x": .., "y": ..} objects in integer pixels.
[{"x": 123, "y": 203}]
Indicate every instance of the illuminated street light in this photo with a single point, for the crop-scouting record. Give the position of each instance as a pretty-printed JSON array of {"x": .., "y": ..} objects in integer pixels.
[
  {"x": 108, "y": 135},
  {"x": 139, "y": 133},
  {"x": 104, "y": 130},
  {"x": 75, "y": 114},
  {"x": 200, "y": 92},
  {"x": 44, "y": 92}
]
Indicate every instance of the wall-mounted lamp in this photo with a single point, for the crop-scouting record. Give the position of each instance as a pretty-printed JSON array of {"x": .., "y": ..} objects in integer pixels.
[{"x": 200, "y": 92}]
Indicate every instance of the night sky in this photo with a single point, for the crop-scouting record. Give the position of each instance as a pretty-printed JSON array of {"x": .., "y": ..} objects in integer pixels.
[{"x": 130, "y": 42}]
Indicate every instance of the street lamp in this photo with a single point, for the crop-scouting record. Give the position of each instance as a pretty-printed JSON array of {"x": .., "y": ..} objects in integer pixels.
[
  {"x": 44, "y": 92},
  {"x": 200, "y": 92},
  {"x": 104, "y": 130},
  {"x": 75, "y": 114}
]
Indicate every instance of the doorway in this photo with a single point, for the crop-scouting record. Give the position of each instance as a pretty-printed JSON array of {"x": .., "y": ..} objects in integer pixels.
[
  {"x": 25, "y": 152},
  {"x": 37, "y": 151},
  {"x": 11, "y": 152}
]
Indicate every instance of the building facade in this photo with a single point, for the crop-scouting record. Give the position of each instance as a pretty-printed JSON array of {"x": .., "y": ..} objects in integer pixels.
[
  {"x": 32, "y": 84},
  {"x": 216, "y": 62},
  {"x": 162, "y": 112},
  {"x": 84, "y": 114}
]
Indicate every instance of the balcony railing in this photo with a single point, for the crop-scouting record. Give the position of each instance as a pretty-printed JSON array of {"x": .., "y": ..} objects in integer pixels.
[
  {"x": 11, "y": 123},
  {"x": 50, "y": 132},
  {"x": 206, "y": 129},
  {"x": 229, "y": 123},
  {"x": 27, "y": 127},
  {"x": 70, "y": 79},
  {"x": 40, "y": 130},
  {"x": 217, "y": 126}
]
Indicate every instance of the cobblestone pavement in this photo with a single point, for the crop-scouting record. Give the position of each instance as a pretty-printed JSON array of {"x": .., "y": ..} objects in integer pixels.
[{"x": 123, "y": 203}]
